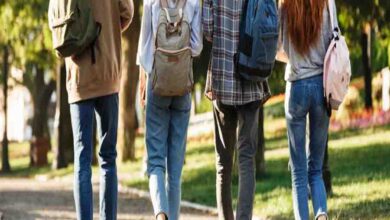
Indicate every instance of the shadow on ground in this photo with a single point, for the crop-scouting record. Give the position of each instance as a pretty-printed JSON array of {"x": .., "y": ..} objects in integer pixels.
[
  {"x": 355, "y": 170},
  {"x": 33, "y": 204}
]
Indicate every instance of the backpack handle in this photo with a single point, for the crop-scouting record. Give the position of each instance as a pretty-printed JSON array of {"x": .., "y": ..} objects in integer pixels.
[{"x": 179, "y": 4}]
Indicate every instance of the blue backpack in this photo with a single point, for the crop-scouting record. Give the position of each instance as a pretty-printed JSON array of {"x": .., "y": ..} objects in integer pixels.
[{"x": 259, "y": 31}]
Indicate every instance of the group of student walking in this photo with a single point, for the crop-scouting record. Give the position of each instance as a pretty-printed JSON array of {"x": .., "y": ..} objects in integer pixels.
[{"x": 304, "y": 34}]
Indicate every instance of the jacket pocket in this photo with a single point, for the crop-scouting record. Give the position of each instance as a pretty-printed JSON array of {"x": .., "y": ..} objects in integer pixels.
[
  {"x": 268, "y": 39},
  {"x": 81, "y": 72}
]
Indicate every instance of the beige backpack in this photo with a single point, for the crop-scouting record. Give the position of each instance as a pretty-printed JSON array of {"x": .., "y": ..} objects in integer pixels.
[
  {"x": 337, "y": 66},
  {"x": 172, "y": 70}
]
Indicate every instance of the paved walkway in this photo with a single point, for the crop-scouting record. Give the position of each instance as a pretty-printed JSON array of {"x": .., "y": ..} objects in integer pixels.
[{"x": 25, "y": 199}]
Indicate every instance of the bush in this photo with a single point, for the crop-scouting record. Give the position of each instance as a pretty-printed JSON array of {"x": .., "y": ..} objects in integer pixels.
[
  {"x": 352, "y": 104},
  {"x": 377, "y": 84}
]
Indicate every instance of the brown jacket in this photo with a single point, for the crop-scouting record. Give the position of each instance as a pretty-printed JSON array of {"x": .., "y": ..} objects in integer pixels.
[{"x": 86, "y": 80}]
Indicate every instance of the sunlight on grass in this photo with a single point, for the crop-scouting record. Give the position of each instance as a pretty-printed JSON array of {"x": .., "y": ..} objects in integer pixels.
[
  {"x": 275, "y": 127},
  {"x": 360, "y": 171},
  {"x": 358, "y": 160},
  {"x": 362, "y": 140},
  {"x": 361, "y": 177},
  {"x": 361, "y": 200},
  {"x": 20, "y": 163}
]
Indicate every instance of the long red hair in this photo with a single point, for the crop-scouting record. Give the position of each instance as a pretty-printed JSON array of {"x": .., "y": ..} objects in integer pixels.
[{"x": 304, "y": 22}]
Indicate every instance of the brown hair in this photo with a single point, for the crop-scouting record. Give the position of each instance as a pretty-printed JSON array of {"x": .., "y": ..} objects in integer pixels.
[{"x": 304, "y": 22}]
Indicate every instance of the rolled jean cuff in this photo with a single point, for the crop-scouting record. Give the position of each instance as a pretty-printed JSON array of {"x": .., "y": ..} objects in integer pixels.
[{"x": 320, "y": 214}]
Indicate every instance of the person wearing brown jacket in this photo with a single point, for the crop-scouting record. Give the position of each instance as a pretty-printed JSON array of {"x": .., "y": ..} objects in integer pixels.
[{"x": 93, "y": 88}]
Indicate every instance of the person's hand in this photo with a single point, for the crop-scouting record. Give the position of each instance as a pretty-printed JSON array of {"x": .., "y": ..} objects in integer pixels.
[
  {"x": 209, "y": 39},
  {"x": 123, "y": 24},
  {"x": 210, "y": 95},
  {"x": 282, "y": 56},
  {"x": 74, "y": 58},
  {"x": 142, "y": 87}
]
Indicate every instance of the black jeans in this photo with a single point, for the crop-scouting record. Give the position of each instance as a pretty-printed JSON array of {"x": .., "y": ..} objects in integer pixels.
[{"x": 236, "y": 126}]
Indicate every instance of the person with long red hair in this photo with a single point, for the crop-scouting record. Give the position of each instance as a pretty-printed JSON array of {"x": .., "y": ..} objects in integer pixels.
[{"x": 305, "y": 36}]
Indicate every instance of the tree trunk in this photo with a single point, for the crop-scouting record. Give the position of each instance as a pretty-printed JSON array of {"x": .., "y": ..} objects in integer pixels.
[
  {"x": 5, "y": 166},
  {"x": 366, "y": 58},
  {"x": 127, "y": 113},
  {"x": 63, "y": 152},
  {"x": 40, "y": 143},
  {"x": 260, "y": 159}
]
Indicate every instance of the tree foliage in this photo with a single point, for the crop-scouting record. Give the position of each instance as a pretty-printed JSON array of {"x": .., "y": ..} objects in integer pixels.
[
  {"x": 354, "y": 16},
  {"x": 25, "y": 29}
]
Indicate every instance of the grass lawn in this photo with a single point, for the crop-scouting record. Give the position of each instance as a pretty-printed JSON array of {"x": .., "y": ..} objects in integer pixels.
[
  {"x": 359, "y": 165},
  {"x": 20, "y": 163},
  {"x": 358, "y": 158}
]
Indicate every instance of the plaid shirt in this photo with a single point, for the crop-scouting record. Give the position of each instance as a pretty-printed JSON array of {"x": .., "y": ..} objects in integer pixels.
[{"x": 221, "y": 19}]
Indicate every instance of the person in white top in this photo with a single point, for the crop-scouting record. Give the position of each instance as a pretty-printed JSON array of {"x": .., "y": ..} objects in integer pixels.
[
  {"x": 151, "y": 12},
  {"x": 167, "y": 117}
]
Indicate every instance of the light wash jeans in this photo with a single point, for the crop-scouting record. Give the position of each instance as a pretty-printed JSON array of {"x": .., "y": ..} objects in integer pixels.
[
  {"x": 306, "y": 97},
  {"x": 167, "y": 121},
  {"x": 82, "y": 113}
]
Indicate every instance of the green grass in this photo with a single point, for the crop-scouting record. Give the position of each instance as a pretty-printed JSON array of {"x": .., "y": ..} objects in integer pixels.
[
  {"x": 359, "y": 166},
  {"x": 20, "y": 163},
  {"x": 204, "y": 106},
  {"x": 361, "y": 177},
  {"x": 274, "y": 110},
  {"x": 358, "y": 160}
]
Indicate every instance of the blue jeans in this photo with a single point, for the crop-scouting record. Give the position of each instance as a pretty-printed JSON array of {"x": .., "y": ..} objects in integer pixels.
[
  {"x": 82, "y": 114},
  {"x": 306, "y": 97},
  {"x": 167, "y": 121}
]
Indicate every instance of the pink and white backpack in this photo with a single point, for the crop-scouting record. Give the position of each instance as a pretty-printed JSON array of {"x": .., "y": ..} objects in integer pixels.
[{"x": 337, "y": 66}]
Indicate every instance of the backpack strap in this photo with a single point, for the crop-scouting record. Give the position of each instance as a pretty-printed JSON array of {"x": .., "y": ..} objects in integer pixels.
[
  {"x": 331, "y": 7},
  {"x": 180, "y": 6},
  {"x": 243, "y": 16},
  {"x": 164, "y": 4}
]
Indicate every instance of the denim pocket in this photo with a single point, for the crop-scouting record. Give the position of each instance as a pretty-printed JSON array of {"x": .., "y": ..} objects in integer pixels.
[{"x": 297, "y": 101}]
